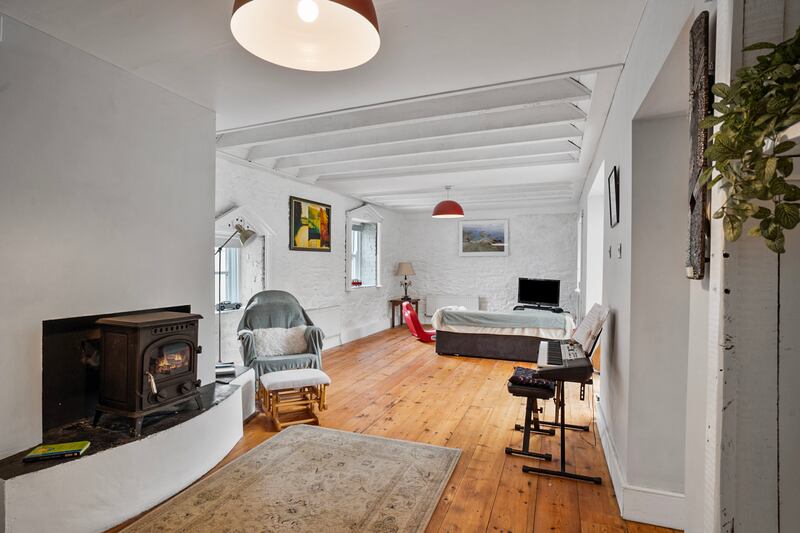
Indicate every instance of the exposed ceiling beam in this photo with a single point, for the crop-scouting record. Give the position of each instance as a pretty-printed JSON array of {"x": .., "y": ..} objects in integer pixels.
[
  {"x": 567, "y": 157},
  {"x": 471, "y": 140},
  {"x": 555, "y": 114},
  {"x": 510, "y": 197},
  {"x": 468, "y": 192},
  {"x": 515, "y": 96},
  {"x": 446, "y": 158},
  {"x": 548, "y": 206}
]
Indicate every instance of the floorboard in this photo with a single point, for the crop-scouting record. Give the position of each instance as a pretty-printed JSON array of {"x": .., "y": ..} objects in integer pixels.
[{"x": 391, "y": 385}]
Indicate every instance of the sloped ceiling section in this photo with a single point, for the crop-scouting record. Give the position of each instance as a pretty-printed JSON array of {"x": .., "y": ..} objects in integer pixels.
[{"x": 514, "y": 144}]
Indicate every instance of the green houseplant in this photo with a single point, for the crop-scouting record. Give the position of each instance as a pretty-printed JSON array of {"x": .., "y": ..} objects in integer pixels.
[{"x": 749, "y": 150}]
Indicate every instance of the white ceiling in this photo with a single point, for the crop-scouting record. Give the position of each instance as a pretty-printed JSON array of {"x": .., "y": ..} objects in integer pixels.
[{"x": 429, "y": 47}]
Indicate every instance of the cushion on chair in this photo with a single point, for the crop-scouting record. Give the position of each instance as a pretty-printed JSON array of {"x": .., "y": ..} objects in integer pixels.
[
  {"x": 280, "y": 341},
  {"x": 525, "y": 382},
  {"x": 276, "y": 363},
  {"x": 294, "y": 379}
]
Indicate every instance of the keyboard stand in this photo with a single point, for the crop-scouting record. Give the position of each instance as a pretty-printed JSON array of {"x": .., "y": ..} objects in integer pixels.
[
  {"x": 559, "y": 398},
  {"x": 555, "y": 423}
]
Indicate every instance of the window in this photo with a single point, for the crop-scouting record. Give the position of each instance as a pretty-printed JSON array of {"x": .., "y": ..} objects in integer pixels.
[
  {"x": 226, "y": 279},
  {"x": 364, "y": 254}
]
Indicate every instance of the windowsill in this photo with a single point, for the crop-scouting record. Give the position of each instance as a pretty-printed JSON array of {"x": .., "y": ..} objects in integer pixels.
[
  {"x": 351, "y": 288},
  {"x": 226, "y": 311}
]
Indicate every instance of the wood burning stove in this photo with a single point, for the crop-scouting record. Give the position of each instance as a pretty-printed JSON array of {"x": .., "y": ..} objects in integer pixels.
[{"x": 148, "y": 364}]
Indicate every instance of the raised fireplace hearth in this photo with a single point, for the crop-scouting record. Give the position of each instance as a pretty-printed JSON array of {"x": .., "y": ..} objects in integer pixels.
[{"x": 148, "y": 364}]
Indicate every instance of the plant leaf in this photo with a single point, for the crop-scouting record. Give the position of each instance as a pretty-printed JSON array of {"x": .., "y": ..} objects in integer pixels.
[
  {"x": 777, "y": 186},
  {"x": 723, "y": 90},
  {"x": 769, "y": 229},
  {"x": 769, "y": 168},
  {"x": 762, "y": 213},
  {"x": 792, "y": 193},
  {"x": 787, "y": 215},
  {"x": 759, "y": 46},
  {"x": 732, "y": 225},
  {"x": 705, "y": 175},
  {"x": 784, "y": 146},
  {"x": 777, "y": 245},
  {"x": 710, "y": 121}
]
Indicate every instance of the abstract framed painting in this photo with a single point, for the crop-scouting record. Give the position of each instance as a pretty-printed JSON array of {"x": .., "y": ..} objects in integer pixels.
[
  {"x": 309, "y": 225},
  {"x": 483, "y": 238}
]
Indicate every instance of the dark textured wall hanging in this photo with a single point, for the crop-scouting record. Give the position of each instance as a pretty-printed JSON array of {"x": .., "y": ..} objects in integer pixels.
[{"x": 701, "y": 100}]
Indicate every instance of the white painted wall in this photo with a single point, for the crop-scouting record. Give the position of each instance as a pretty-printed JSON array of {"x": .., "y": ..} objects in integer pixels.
[
  {"x": 106, "y": 204},
  {"x": 317, "y": 279},
  {"x": 594, "y": 221},
  {"x": 635, "y": 410},
  {"x": 659, "y": 319},
  {"x": 542, "y": 245}
]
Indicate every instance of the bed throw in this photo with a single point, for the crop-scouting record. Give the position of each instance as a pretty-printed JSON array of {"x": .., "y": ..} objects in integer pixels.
[{"x": 529, "y": 322}]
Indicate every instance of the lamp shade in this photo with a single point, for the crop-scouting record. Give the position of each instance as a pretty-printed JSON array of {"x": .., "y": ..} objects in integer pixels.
[
  {"x": 448, "y": 209},
  {"x": 404, "y": 269},
  {"x": 313, "y": 35},
  {"x": 245, "y": 235}
]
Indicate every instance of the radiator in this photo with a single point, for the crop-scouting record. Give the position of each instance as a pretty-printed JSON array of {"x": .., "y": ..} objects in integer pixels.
[
  {"x": 329, "y": 320},
  {"x": 437, "y": 301}
]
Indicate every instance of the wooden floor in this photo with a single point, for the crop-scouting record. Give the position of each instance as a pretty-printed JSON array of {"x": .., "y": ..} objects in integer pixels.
[{"x": 391, "y": 385}]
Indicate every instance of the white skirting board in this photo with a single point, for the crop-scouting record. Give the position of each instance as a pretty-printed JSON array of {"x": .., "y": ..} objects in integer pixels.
[
  {"x": 640, "y": 504},
  {"x": 99, "y": 491},
  {"x": 352, "y": 334}
]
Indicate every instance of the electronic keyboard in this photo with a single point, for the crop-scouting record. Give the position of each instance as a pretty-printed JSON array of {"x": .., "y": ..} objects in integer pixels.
[{"x": 563, "y": 361}]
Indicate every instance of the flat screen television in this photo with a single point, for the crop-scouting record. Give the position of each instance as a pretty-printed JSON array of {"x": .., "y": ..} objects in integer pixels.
[{"x": 544, "y": 292}]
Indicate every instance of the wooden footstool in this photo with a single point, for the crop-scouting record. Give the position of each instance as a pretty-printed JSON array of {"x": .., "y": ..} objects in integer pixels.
[{"x": 293, "y": 394}]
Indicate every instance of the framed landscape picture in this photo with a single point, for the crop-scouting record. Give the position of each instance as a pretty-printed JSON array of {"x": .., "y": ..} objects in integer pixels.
[
  {"x": 309, "y": 225},
  {"x": 483, "y": 238}
]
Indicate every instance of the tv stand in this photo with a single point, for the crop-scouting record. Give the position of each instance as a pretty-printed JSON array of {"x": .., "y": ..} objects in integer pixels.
[{"x": 520, "y": 307}]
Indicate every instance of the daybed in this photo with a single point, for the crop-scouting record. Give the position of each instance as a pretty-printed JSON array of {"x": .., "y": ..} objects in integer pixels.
[{"x": 513, "y": 335}]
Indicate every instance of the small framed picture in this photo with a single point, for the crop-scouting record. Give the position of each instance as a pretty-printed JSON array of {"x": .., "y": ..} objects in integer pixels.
[
  {"x": 483, "y": 238},
  {"x": 309, "y": 225},
  {"x": 613, "y": 197}
]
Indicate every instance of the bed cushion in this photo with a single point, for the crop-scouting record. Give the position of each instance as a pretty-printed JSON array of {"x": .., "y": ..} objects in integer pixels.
[{"x": 280, "y": 341}]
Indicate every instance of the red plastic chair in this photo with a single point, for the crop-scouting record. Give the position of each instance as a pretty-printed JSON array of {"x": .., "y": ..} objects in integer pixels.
[{"x": 414, "y": 326}]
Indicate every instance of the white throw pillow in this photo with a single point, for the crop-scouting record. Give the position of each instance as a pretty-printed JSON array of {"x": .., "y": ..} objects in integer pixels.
[{"x": 280, "y": 341}]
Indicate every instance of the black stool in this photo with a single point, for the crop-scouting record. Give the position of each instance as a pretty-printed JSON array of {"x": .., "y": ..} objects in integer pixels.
[{"x": 532, "y": 390}]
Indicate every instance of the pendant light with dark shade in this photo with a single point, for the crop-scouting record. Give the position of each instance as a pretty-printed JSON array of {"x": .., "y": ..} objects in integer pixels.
[
  {"x": 312, "y": 35},
  {"x": 448, "y": 208}
]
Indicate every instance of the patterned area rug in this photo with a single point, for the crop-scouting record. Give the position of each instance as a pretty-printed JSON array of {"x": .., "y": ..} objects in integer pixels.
[{"x": 308, "y": 478}]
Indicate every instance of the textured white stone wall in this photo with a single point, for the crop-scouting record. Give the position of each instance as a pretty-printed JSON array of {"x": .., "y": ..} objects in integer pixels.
[
  {"x": 541, "y": 246},
  {"x": 317, "y": 279}
]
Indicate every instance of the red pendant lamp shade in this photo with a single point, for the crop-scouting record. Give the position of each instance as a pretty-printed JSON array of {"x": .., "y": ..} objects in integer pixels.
[
  {"x": 312, "y": 35},
  {"x": 448, "y": 208}
]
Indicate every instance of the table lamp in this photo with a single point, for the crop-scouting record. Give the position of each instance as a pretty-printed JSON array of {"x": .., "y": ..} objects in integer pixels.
[{"x": 405, "y": 269}]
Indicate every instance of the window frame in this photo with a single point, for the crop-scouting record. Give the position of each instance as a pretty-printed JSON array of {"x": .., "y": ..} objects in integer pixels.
[
  {"x": 232, "y": 273},
  {"x": 363, "y": 215}
]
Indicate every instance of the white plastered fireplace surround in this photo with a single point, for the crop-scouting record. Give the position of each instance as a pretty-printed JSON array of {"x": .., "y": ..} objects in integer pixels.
[{"x": 116, "y": 161}]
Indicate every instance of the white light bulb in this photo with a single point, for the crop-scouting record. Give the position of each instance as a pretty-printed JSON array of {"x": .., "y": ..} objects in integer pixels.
[{"x": 307, "y": 10}]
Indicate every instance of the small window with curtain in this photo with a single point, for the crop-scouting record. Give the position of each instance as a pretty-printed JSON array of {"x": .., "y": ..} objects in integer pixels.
[{"x": 226, "y": 279}]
